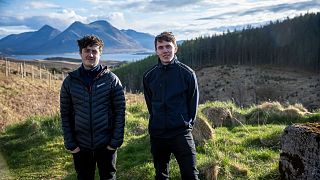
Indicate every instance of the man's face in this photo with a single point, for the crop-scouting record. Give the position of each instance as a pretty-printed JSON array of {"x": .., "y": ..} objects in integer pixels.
[
  {"x": 165, "y": 51},
  {"x": 90, "y": 56}
]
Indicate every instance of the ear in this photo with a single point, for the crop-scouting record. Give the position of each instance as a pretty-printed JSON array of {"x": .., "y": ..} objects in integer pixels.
[{"x": 176, "y": 49}]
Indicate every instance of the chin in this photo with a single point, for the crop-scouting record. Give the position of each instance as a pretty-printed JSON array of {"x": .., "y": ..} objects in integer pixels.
[{"x": 165, "y": 60}]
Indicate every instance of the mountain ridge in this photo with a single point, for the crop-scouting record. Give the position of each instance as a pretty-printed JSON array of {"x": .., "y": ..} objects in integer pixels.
[{"x": 48, "y": 40}]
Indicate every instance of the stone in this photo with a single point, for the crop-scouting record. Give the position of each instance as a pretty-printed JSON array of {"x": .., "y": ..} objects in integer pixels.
[{"x": 300, "y": 152}]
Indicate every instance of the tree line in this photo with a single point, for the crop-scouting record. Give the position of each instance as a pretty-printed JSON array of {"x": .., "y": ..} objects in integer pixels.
[{"x": 291, "y": 43}]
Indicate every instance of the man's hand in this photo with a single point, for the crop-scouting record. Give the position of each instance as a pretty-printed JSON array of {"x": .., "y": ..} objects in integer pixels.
[
  {"x": 110, "y": 148},
  {"x": 75, "y": 150}
]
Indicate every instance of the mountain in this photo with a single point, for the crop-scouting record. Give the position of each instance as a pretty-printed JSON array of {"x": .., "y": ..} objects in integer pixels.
[
  {"x": 145, "y": 39},
  {"x": 28, "y": 41},
  {"x": 48, "y": 40}
]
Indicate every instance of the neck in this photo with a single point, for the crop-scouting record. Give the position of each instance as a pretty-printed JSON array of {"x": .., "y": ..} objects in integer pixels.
[
  {"x": 89, "y": 68},
  {"x": 165, "y": 63}
]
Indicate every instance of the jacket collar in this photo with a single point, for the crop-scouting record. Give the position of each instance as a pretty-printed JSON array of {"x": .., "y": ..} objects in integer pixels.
[
  {"x": 92, "y": 73},
  {"x": 173, "y": 61},
  {"x": 77, "y": 73}
]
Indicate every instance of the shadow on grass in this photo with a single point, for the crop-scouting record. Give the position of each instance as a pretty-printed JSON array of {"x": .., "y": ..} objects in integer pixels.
[
  {"x": 135, "y": 160},
  {"x": 271, "y": 142},
  {"x": 273, "y": 175},
  {"x": 34, "y": 149}
]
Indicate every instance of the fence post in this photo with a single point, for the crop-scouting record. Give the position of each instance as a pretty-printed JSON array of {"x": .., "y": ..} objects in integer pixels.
[
  {"x": 24, "y": 69},
  {"x": 9, "y": 68},
  {"x": 32, "y": 73},
  {"x": 21, "y": 70},
  {"x": 49, "y": 78},
  {"x": 7, "y": 73},
  {"x": 40, "y": 73}
]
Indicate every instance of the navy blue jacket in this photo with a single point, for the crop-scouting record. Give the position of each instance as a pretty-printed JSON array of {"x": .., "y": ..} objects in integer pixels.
[
  {"x": 171, "y": 94},
  {"x": 92, "y": 116}
]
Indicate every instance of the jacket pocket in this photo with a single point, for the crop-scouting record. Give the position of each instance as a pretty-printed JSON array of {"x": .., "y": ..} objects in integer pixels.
[
  {"x": 157, "y": 122},
  {"x": 178, "y": 120}
]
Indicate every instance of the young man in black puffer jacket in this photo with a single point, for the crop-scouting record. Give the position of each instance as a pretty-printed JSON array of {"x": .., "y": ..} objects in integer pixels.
[
  {"x": 171, "y": 94},
  {"x": 92, "y": 107}
]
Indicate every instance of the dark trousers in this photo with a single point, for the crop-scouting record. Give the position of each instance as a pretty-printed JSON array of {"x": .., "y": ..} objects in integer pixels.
[
  {"x": 183, "y": 148},
  {"x": 85, "y": 162}
]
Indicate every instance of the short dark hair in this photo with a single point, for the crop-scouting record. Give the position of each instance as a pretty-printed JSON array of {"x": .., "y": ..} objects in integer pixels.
[
  {"x": 165, "y": 36},
  {"x": 90, "y": 40}
]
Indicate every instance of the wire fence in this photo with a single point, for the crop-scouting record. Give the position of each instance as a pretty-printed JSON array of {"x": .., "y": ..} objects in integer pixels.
[{"x": 24, "y": 70}]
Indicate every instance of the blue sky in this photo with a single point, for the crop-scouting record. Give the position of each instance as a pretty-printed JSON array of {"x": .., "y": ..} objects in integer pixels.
[{"x": 185, "y": 18}]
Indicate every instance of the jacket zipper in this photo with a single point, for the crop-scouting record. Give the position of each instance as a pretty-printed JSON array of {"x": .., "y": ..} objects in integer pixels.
[
  {"x": 90, "y": 104},
  {"x": 164, "y": 96}
]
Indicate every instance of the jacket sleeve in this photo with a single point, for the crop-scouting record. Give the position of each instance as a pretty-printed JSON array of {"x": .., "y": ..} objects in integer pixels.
[
  {"x": 119, "y": 106},
  {"x": 147, "y": 95},
  {"x": 67, "y": 116},
  {"x": 193, "y": 97}
]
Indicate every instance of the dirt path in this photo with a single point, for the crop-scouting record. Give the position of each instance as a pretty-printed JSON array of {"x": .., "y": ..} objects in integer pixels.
[{"x": 4, "y": 172}]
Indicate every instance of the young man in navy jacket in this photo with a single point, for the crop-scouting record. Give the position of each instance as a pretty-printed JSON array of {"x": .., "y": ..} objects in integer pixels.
[
  {"x": 171, "y": 94},
  {"x": 92, "y": 107}
]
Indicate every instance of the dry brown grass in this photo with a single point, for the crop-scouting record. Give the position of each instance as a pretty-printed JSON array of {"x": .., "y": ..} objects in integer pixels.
[
  {"x": 271, "y": 106},
  {"x": 211, "y": 172},
  {"x": 202, "y": 131},
  {"x": 292, "y": 112},
  {"x": 300, "y": 107},
  {"x": 21, "y": 98},
  {"x": 218, "y": 116},
  {"x": 134, "y": 98},
  {"x": 239, "y": 169}
]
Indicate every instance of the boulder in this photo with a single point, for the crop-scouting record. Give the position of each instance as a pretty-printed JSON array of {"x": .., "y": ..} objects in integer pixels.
[{"x": 300, "y": 152}]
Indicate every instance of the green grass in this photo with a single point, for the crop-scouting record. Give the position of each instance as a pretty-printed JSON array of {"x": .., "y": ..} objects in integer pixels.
[
  {"x": 34, "y": 149},
  {"x": 244, "y": 152}
]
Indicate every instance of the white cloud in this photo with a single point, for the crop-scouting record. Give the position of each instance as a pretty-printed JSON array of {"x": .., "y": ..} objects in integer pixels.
[
  {"x": 60, "y": 20},
  {"x": 40, "y": 4},
  {"x": 140, "y": 6},
  {"x": 186, "y": 18},
  {"x": 6, "y": 30},
  {"x": 117, "y": 19}
]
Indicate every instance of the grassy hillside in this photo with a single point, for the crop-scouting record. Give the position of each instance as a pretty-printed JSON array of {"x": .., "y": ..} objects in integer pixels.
[
  {"x": 21, "y": 98},
  {"x": 34, "y": 149},
  {"x": 31, "y": 140}
]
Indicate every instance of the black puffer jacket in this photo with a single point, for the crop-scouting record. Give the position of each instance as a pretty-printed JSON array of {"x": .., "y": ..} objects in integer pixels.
[
  {"x": 92, "y": 117},
  {"x": 171, "y": 94}
]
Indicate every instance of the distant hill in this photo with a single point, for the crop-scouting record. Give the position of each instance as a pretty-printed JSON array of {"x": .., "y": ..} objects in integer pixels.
[
  {"x": 28, "y": 41},
  {"x": 293, "y": 43},
  {"x": 146, "y": 40},
  {"x": 278, "y": 62},
  {"x": 49, "y": 40}
]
